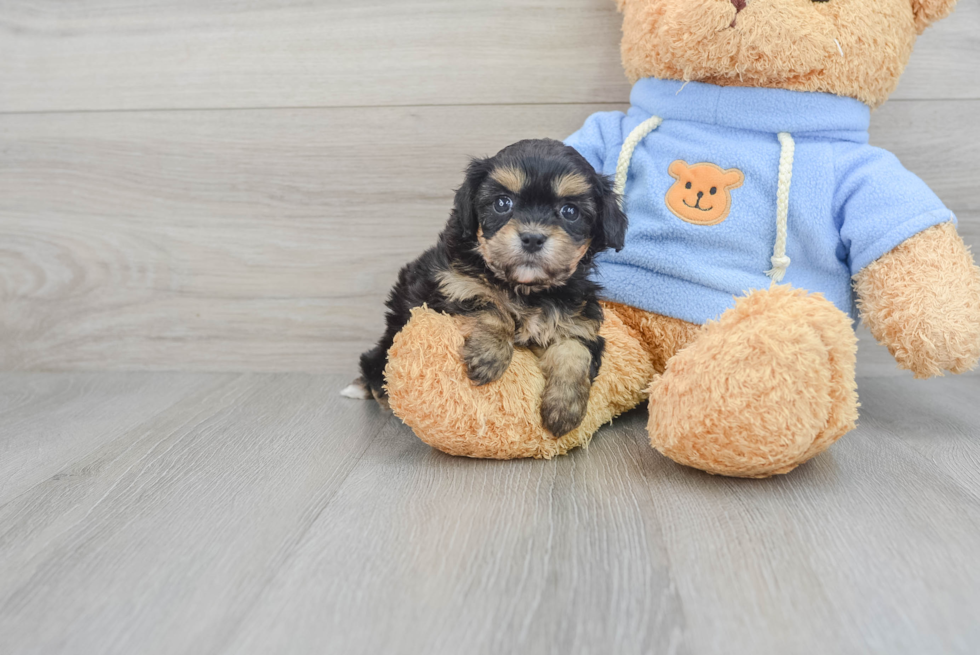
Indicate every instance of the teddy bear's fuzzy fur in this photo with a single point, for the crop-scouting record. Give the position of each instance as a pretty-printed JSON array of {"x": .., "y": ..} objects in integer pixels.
[
  {"x": 771, "y": 382},
  {"x": 922, "y": 301},
  {"x": 429, "y": 389},
  {"x": 854, "y": 48}
]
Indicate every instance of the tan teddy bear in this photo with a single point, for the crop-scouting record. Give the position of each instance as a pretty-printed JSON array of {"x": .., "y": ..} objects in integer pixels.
[{"x": 744, "y": 165}]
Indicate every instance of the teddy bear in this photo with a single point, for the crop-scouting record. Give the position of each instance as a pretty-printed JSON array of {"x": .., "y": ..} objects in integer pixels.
[{"x": 762, "y": 225}]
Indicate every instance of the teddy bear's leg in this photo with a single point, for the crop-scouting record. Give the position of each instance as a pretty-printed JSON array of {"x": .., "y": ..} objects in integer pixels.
[
  {"x": 661, "y": 336},
  {"x": 429, "y": 390},
  {"x": 760, "y": 391}
]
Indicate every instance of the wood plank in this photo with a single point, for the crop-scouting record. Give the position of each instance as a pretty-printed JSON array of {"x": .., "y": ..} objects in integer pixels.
[
  {"x": 931, "y": 72},
  {"x": 938, "y": 420},
  {"x": 161, "y": 540},
  {"x": 455, "y": 555},
  {"x": 81, "y": 413},
  {"x": 861, "y": 550},
  {"x": 261, "y": 516},
  {"x": 267, "y": 240},
  {"x": 281, "y": 53},
  {"x": 931, "y": 139},
  {"x": 103, "y": 55}
]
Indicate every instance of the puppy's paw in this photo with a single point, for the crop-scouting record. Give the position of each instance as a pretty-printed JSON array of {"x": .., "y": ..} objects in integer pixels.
[
  {"x": 563, "y": 407},
  {"x": 486, "y": 359},
  {"x": 357, "y": 390}
]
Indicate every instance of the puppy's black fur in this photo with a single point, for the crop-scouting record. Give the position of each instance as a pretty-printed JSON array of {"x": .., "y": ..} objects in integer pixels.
[{"x": 514, "y": 259}]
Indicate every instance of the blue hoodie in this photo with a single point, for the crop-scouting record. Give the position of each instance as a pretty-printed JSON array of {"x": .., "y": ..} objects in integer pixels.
[{"x": 688, "y": 255}]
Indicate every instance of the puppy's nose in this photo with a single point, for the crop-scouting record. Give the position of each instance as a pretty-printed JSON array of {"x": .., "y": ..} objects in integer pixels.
[{"x": 532, "y": 241}]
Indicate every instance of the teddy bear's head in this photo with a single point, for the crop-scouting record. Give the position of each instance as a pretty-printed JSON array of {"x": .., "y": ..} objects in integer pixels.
[{"x": 855, "y": 48}]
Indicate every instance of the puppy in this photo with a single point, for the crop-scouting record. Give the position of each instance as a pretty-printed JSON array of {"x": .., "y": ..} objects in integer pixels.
[{"x": 515, "y": 260}]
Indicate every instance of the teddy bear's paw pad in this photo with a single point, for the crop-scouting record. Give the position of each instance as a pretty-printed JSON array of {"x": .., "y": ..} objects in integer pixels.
[{"x": 760, "y": 391}]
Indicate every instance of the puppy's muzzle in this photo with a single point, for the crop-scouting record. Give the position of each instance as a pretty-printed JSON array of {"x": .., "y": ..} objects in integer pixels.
[{"x": 532, "y": 242}]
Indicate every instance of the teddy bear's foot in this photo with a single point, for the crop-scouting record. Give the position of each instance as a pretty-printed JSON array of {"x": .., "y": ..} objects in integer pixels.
[
  {"x": 759, "y": 392},
  {"x": 429, "y": 390}
]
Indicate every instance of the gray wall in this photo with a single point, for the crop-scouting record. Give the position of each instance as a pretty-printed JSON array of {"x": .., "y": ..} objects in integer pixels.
[{"x": 233, "y": 185}]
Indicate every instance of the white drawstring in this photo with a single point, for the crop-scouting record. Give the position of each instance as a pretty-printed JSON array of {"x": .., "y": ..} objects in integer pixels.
[
  {"x": 626, "y": 153},
  {"x": 780, "y": 262}
]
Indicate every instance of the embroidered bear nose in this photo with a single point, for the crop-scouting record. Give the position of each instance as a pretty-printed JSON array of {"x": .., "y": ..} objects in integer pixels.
[
  {"x": 532, "y": 242},
  {"x": 700, "y": 193},
  {"x": 739, "y": 5}
]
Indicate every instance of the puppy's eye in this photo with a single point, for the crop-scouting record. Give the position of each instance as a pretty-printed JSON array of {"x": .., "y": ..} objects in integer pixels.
[
  {"x": 687, "y": 186},
  {"x": 503, "y": 204},
  {"x": 569, "y": 213}
]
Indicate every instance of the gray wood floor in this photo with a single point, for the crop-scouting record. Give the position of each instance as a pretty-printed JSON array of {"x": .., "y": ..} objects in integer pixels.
[{"x": 261, "y": 513}]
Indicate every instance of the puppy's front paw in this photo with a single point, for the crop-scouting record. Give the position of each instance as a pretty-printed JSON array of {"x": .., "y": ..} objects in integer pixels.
[
  {"x": 563, "y": 407},
  {"x": 486, "y": 359}
]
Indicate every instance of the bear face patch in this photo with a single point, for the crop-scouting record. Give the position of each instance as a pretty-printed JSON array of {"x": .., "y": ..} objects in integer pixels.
[{"x": 701, "y": 195}]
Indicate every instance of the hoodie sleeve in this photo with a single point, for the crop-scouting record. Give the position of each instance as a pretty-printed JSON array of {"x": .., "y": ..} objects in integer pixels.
[
  {"x": 878, "y": 204},
  {"x": 600, "y": 139}
]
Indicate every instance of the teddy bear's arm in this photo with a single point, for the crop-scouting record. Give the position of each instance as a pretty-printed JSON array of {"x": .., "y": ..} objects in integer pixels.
[{"x": 922, "y": 301}]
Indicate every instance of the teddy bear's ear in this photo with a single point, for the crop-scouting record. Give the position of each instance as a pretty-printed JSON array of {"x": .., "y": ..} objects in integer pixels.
[
  {"x": 927, "y": 12},
  {"x": 677, "y": 168},
  {"x": 733, "y": 178}
]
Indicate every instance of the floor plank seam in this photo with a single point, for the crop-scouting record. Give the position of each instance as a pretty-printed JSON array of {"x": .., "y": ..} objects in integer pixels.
[
  {"x": 547, "y": 559},
  {"x": 614, "y": 103},
  {"x": 640, "y": 442},
  {"x": 921, "y": 460},
  {"x": 291, "y": 550},
  {"x": 150, "y": 110},
  {"x": 69, "y": 466}
]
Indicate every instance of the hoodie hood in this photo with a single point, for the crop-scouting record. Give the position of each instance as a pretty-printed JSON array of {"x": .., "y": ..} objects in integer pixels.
[{"x": 801, "y": 113}]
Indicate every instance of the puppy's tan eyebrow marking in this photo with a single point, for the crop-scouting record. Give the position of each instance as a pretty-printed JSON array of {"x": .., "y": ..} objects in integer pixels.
[
  {"x": 571, "y": 184},
  {"x": 510, "y": 178}
]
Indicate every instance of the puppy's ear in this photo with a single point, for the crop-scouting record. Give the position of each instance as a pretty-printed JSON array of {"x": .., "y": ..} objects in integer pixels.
[
  {"x": 464, "y": 206},
  {"x": 609, "y": 230}
]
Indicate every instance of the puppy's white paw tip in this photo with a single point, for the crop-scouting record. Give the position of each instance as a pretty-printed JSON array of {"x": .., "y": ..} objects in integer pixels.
[{"x": 356, "y": 391}]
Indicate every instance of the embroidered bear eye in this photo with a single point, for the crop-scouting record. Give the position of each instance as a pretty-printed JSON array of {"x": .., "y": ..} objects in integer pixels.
[
  {"x": 713, "y": 190},
  {"x": 687, "y": 186}
]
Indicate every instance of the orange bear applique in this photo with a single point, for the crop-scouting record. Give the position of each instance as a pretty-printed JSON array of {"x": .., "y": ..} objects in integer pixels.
[{"x": 701, "y": 195}]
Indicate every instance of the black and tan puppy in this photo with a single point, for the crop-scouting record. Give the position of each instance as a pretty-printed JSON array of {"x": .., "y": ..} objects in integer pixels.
[{"x": 515, "y": 259}]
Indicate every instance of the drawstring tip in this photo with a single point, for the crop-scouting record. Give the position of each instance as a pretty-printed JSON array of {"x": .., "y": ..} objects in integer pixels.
[
  {"x": 776, "y": 274},
  {"x": 778, "y": 270}
]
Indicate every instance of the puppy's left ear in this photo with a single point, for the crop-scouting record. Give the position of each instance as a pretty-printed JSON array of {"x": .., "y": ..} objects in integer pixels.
[
  {"x": 464, "y": 206},
  {"x": 927, "y": 12},
  {"x": 609, "y": 230}
]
